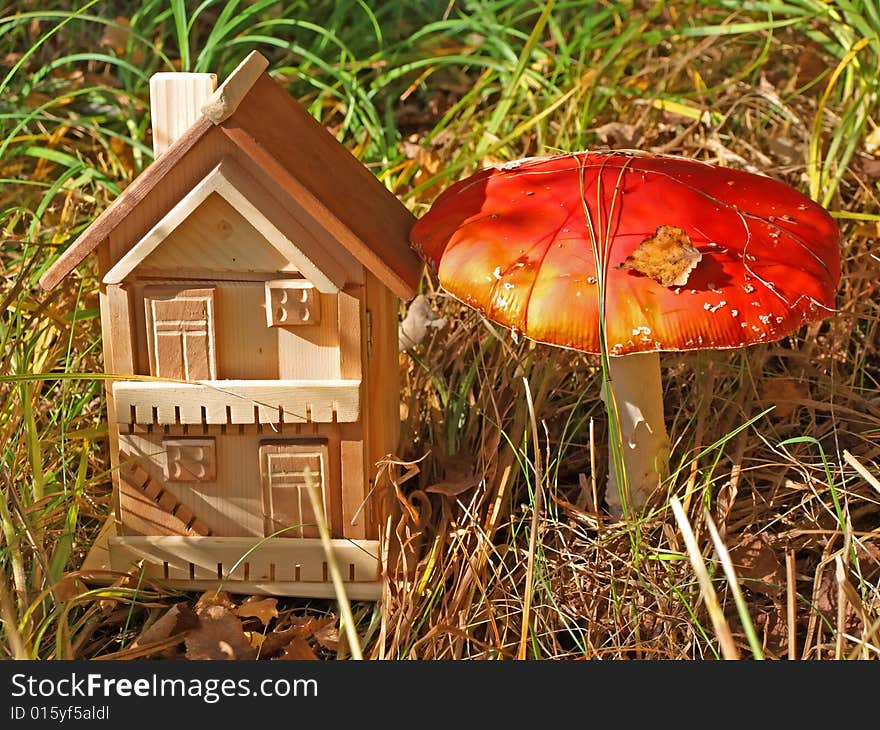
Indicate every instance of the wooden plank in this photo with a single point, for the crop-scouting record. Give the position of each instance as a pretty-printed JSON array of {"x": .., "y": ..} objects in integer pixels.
[
  {"x": 350, "y": 334},
  {"x": 356, "y": 512},
  {"x": 245, "y": 349},
  {"x": 239, "y": 578},
  {"x": 238, "y": 401},
  {"x": 97, "y": 560},
  {"x": 140, "y": 515},
  {"x": 133, "y": 195},
  {"x": 359, "y": 558},
  {"x": 329, "y": 183},
  {"x": 176, "y": 101},
  {"x": 119, "y": 329},
  {"x": 382, "y": 386},
  {"x": 230, "y": 503},
  {"x": 232, "y": 91},
  {"x": 109, "y": 307},
  {"x": 307, "y": 352}
]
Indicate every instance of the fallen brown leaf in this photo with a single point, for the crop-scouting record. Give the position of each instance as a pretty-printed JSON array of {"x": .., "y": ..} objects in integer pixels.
[
  {"x": 269, "y": 645},
  {"x": 784, "y": 393},
  {"x": 218, "y": 636},
  {"x": 69, "y": 586},
  {"x": 308, "y": 625},
  {"x": 214, "y": 598},
  {"x": 328, "y": 636},
  {"x": 298, "y": 649},
  {"x": 177, "y": 620},
  {"x": 264, "y": 609}
]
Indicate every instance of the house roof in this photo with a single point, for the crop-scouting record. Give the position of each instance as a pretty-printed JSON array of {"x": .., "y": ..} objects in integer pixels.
[{"x": 301, "y": 158}]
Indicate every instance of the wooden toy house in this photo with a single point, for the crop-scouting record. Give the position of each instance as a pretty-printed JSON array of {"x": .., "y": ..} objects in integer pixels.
[{"x": 253, "y": 272}]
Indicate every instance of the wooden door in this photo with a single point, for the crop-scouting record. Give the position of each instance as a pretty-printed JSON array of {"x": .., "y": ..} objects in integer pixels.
[
  {"x": 286, "y": 503},
  {"x": 180, "y": 332}
]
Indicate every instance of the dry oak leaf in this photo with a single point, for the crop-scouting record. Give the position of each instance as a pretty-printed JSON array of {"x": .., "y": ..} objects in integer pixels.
[
  {"x": 218, "y": 636},
  {"x": 298, "y": 649},
  {"x": 667, "y": 257},
  {"x": 176, "y": 620},
  {"x": 327, "y": 633},
  {"x": 214, "y": 598},
  {"x": 272, "y": 643},
  {"x": 264, "y": 609}
]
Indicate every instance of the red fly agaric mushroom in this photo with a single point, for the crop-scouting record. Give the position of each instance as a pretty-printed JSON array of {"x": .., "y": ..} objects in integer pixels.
[{"x": 631, "y": 255}]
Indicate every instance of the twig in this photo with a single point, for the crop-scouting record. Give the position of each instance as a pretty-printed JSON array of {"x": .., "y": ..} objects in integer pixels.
[{"x": 791, "y": 600}]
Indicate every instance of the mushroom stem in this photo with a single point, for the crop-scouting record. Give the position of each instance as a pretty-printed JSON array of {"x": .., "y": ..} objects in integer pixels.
[{"x": 638, "y": 394}]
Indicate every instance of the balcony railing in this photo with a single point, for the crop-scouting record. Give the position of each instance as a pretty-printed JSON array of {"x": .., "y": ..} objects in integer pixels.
[{"x": 237, "y": 401}]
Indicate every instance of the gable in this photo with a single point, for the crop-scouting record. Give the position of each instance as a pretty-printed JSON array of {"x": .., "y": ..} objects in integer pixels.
[
  {"x": 253, "y": 214},
  {"x": 214, "y": 238},
  {"x": 329, "y": 195}
]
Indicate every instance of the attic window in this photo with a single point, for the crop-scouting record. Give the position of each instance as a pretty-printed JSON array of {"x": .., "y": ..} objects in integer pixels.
[
  {"x": 291, "y": 302},
  {"x": 180, "y": 332}
]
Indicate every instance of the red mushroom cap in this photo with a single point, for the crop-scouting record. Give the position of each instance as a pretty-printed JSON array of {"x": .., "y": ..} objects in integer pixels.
[{"x": 692, "y": 256}]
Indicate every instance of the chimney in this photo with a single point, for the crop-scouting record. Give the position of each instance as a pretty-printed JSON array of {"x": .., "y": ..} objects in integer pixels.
[{"x": 176, "y": 101}]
